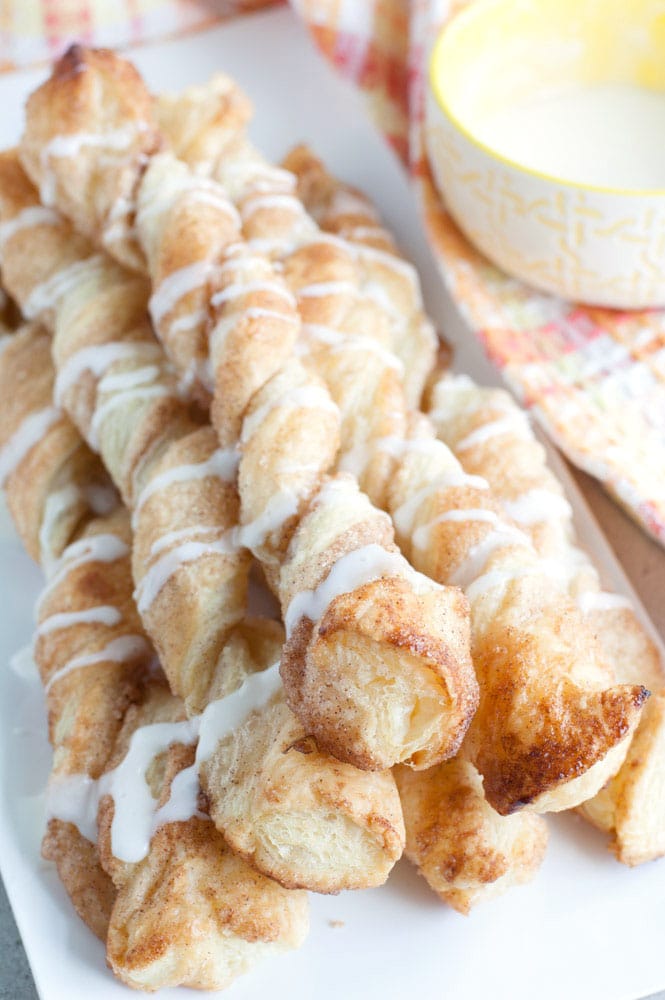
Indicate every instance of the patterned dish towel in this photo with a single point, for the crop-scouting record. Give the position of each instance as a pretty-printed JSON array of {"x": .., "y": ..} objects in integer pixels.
[{"x": 594, "y": 378}]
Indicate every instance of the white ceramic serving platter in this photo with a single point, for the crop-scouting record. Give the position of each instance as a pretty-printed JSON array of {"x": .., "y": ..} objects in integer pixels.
[{"x": 585, "y": 928}]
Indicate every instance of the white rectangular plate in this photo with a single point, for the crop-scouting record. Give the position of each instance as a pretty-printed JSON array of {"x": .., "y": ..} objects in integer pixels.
[{"x": 586, "y": 927}]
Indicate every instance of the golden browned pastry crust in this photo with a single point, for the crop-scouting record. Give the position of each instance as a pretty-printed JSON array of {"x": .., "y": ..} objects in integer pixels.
[
  {"x": 466, "y": 852},
  {"x": 62, "y": 153},
  {"x": 489, "y": 432}
]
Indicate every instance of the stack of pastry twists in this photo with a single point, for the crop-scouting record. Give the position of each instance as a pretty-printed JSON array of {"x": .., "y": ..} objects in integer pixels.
[
  {"x": 375, "y": 438},
  {"x": 580, "y": 741},
  {"x": 287, "y": 430},
  {"x": 241, "y": 278},
  {"x": 448, "y": 523},
  {"x": 188, "y": 911},
  {"x": 473, "y": 421},
  {"x": 191, "y": 581}
]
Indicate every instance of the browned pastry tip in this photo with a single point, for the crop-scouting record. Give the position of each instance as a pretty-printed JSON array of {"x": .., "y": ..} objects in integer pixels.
[
  {"x": 384, "y": 675},
  {"x": 466, "y": 852},
  {"x": 530, "y": 774},
  {"x": 386, "y": 631},
  {"x": 91, "y": 91},
  {"x": 630, "y": 807}
]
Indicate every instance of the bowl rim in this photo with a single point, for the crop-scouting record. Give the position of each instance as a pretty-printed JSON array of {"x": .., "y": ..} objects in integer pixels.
[{"x": 476, "y": 9}]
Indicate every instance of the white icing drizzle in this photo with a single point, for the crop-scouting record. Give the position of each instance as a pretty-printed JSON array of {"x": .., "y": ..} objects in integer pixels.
[
  {"x": 273, "y": 244},
  {"x": 262, "y": 173},
  {"x": 538, "y": 505},
  {"x": 70, "y": 145},
  {"x": 240, "y": 262},
  {"x": 319, "y": 289},
  {"x": 223, "y": 716},
  {"x": 118, "y": 140},
  {"x": 119, "y": 650},
  {"x": 134, "y": 804},
  {"x": 219, "y": 720},
  {"x": 237, "y": 289},
  {"x": 216, "y": 199},
  {"x": 353, "y": 570},
  {"x": 75, "y": 798},
  {"x": 189, "y": 321},
  {"x": 98, "y": 548},
  {"x": 472, "y": 566},
  {"x": 513, "y": 423},
  {"x": 47, "y": 295},
  {"x": 141, "y": 393},
  {"x": 167, "y": 565},
  {"x": 359, "y": 233},
  {"x": 389, "y": 260},
  {"x": 355, "y": 459},
  {"x": 34, "y": 215},
  {"x": 601, "y": 601},
  {"x": 222, "y": 464},
  {"x": 496, "y": 578},
  {"x": 175, "y": 286},
  {"x": 422, "y": 535},
  {"x": 262, "y": 201},
  {"x": 333, "y": 239},
  {"x": 275, "y": 514},
  {"x": 102, "y": 614},
  {"x": 310, "y": 397},
  {"x": 57, "y": 504},
  {"x": 181, "y": 805},
  {"x": 30, "y": 432},
  {"x": 97, "y": 359},
  {"x": 224, "y": 326},
  {"x": 170, "y": 538},
  {"x": 122, "y": 381},
  {"x": 339, "y": 340},
  {"x": 398, "y": 447},
  {"x": 405, "y": 515}
]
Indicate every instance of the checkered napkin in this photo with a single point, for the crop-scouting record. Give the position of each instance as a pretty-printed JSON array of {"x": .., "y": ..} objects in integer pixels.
[{"x": 594, "y": 378}]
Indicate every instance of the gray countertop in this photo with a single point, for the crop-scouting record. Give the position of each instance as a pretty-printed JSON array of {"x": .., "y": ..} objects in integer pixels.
[{"x": 15, "y": 976}]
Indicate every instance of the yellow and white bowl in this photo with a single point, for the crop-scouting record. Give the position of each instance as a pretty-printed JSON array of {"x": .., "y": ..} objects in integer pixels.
[{"x": 597, "y": 244}]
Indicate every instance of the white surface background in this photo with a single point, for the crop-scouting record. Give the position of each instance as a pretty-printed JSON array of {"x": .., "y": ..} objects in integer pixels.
[{"x": 586, "y": 927}]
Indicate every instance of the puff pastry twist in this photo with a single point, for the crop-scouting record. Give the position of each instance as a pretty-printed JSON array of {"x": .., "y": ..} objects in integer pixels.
[{"x": 488, "y": 431}]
